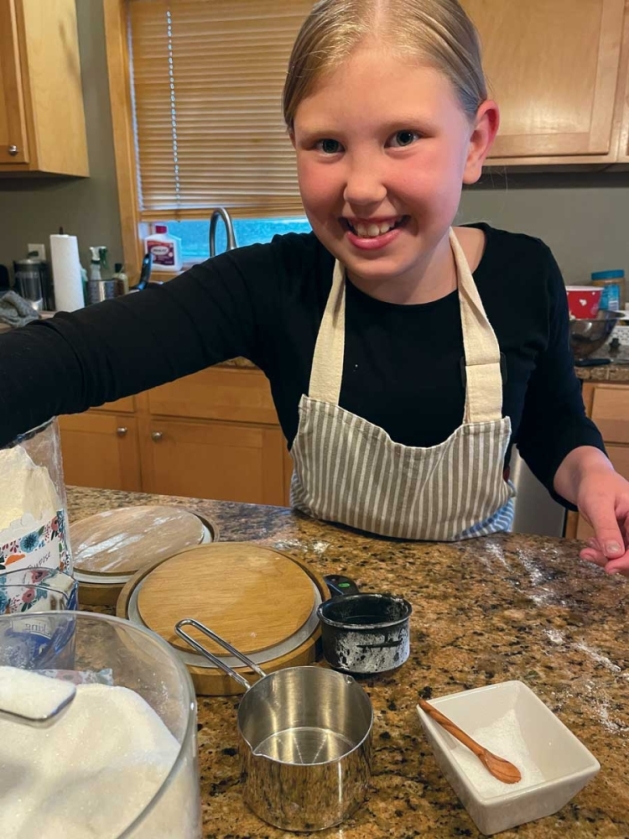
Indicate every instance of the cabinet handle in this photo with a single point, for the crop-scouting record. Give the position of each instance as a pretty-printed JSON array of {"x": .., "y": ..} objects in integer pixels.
[
  {"x": 156, "y": 436},
  {"x": 13, "y": 150},
  {"x": 121, "y": 431}
]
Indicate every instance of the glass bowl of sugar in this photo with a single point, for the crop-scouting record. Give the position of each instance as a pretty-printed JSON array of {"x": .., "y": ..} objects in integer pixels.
[
  {"x": 121, "y": 762},
  {"x": 512, "y": 722}
]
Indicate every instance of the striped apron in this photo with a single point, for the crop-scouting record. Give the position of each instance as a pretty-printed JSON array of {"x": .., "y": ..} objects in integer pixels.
[{"x": 350, "y": 471}]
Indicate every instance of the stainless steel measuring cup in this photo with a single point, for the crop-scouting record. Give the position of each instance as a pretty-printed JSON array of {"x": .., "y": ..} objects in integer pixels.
[{"x": 305, "y": 740}]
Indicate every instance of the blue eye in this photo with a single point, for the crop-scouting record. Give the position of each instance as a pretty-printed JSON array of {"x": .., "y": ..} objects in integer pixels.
[
  {"x": 404, "y": 138},
  {"x": 328, "y": 146}
]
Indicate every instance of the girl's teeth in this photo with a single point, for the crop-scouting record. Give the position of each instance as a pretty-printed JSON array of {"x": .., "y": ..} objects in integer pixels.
[{"x": 372, "y": 230}]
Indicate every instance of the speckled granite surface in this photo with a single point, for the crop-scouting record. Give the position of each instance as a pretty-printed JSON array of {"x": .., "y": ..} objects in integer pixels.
[
  {"x": 488, "y": 610},
  {"x": 606, "y": 372},
  {"x": 238, "y": 362}
]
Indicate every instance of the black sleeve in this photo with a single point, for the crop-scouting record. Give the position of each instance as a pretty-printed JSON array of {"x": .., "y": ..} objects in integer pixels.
[
  {"x": 554, "y": 421},
  {"x": 79, "y": 360}
]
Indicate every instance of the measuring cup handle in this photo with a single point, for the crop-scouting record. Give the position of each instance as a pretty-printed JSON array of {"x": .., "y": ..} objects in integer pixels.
[
  {"x": 211, "y": 657},
  {"x": 340, "y": 584}
]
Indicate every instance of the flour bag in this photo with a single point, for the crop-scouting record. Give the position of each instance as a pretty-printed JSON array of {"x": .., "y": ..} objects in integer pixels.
[{"x": 33, "y": 509}]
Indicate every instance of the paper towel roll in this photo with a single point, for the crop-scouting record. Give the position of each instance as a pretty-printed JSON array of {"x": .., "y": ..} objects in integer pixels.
[{"x": 66, "y": 272}]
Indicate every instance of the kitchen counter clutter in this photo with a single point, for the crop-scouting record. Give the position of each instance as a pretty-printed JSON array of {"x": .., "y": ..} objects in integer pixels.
[{"x": 501, "y": 608}]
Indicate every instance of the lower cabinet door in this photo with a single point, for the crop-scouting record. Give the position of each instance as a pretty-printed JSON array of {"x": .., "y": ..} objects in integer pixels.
[
  {"x": 101, "y": 450},
  {"x": 217, "y": 460}
]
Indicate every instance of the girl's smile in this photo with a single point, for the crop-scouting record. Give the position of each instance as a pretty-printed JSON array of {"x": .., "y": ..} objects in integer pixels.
[
  {"x": 372, "y": 233},
  {"x": 383, "y": 148}
]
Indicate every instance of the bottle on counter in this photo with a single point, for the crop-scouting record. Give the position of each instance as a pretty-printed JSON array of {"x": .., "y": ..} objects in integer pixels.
[
  {"x": 121, "y": 278},
  {"x": 165, "y": 249},
  {"x": 30, "y": 280},
  {"x": 101, "y": 285},
  {"x": 613, "y": 285},
  {"x": 95, "y": 263}
]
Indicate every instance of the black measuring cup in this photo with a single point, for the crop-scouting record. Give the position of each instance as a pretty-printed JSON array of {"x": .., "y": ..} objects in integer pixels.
[{"x": 362, "y": 632}]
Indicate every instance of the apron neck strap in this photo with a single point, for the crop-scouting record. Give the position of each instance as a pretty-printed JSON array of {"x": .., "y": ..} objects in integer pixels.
[
  {"x": 483, "y": 394},
  {"x": 483, "y": 399},
  {"x": 327, "y": 364}
]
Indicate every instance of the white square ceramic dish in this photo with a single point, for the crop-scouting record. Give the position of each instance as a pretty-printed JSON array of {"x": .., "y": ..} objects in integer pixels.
[{"x": 562, "y": 760}]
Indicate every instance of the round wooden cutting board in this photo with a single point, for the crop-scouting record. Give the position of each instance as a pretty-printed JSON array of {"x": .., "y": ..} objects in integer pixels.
[
  {"x": 259, "y": 600},
  {"x": 109, "y": 547}
]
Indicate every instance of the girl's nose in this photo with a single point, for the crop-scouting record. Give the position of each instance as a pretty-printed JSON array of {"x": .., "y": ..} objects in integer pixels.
[{"x": 364, "y": 184}]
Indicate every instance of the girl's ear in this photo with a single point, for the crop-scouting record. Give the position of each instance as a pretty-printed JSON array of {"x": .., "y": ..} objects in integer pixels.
[{"x": 485, "y": 130}]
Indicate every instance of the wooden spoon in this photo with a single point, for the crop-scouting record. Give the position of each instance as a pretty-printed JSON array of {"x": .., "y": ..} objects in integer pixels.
[{"x": 497, "y": 766}]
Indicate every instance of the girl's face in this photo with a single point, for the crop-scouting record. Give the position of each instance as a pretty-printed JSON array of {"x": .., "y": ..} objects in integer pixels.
[{"x": 383, "y": 148}]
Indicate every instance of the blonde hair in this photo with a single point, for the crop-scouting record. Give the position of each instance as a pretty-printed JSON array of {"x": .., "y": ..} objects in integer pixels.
[{"x": 437, "y": 32}]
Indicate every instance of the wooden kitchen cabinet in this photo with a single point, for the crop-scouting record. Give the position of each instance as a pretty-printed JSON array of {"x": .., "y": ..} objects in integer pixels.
[
  {"x": 235, "y": 454},
  {"x": 218, "y": 393},
  {"x": 555, "y": 70},
  {"x": 623, "y": 99},
  {"x": 101, "y": 450},
  {"x": 214, "y": 434},
  {"x": 610, "y": 411},
  {"x": 220, "y": 460},
  {"x": 42, "y": 120}
]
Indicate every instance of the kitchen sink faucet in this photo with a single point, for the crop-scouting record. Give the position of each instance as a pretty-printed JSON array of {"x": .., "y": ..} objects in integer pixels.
[{"x": 221, "y": 212}]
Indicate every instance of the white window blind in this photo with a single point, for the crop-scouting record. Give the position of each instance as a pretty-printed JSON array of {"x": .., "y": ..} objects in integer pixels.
[{"x": 207, "y": 78}]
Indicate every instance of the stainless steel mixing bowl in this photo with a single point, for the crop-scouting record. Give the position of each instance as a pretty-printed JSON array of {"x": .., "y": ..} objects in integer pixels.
[{"x": 589, "y": 334}]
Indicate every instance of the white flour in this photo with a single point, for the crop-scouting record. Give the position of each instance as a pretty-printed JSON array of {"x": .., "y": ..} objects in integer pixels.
[
  {"x": 24, "y": 489},
  {"x": 90, "y": 774}
]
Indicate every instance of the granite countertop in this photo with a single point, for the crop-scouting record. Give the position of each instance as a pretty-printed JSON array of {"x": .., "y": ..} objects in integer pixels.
[
  {"x": 486, "y": 610},
  {"x": 617, "y": 371},
  {"x": 243, "y": 363}
]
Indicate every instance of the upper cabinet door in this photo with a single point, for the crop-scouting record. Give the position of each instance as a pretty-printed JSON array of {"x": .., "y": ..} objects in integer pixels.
[
  {"x": 13, "y": 147},
  {"x": 552, "y": 66}
]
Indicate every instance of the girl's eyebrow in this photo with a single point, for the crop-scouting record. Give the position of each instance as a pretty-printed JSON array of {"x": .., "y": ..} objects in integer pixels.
[
  {"x": 415, "y": 120},
  {"x": 418, "y": 121},
  {"x": 407, "y": 121},
  {"x": 309, "y": 135}
]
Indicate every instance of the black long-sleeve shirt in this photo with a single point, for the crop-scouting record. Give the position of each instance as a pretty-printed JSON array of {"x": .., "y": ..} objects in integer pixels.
[{"x": 402, "y": 366}]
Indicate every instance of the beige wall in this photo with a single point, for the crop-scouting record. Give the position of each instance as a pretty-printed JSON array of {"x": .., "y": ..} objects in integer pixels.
[
  {"x": 32, "y": 209},
  {"x": 583, "y": 217}
]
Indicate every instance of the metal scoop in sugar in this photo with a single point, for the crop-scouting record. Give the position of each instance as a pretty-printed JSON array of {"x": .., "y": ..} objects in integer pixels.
[{"x": 32, "y": 699}]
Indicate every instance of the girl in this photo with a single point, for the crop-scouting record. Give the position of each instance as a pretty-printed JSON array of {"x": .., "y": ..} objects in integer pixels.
[{"x": 405, "y": 357}]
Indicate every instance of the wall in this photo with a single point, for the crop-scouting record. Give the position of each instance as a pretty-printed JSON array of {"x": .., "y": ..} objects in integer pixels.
[
  {"x": 33, "y": 208},
  {"x": 584, "y": 217}
]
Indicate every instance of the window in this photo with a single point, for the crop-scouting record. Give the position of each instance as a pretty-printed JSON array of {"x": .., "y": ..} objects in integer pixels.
[
  {"x": 206, "y": 84},
  {"x": 194, "y": 235}
]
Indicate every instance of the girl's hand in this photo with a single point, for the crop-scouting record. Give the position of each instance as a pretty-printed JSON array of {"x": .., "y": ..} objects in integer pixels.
[
  {"x": 603, "y": 500},
  {"x": 587, "y": 478}
]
